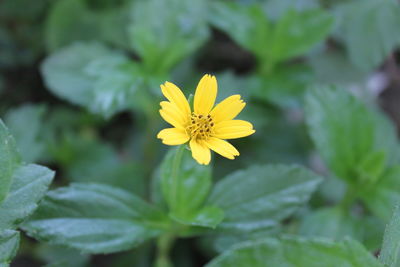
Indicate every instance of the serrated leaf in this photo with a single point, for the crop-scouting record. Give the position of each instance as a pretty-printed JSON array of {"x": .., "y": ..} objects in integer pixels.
[
  {"x": 347, "y": 134},
  {"x": 9, "y": 160},
  {"x": 163, "y": 32},
  {"x": 247, "y": 25},
  {"x": 297, "y": 252},
  {"x": 9, "y": 243},
  {"x": 185, "y": 185},
  {"x": 297, "y": 32},
  {"x": 370, "y": 30},
  {"x": 91, "y": 75},
  {"x": 390, "y": 252},
  {"x": 261, "y": 196},
  {"x": 95, "y": 218},
  {"x": 29, "y": 185}
]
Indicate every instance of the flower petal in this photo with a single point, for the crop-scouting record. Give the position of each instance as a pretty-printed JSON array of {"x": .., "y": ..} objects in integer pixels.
[
  {"x": 228, "y": 108},
  {"x": 233, "y": 129},
  {"x": 222, "y": 147},
  {"x": 200, "y": 152},
  {"x": 206, "y": 93},
  {"x": 173, "y": 136},
  {"x": 176, "y": 97},
  {"x": 173, "y": 115}
]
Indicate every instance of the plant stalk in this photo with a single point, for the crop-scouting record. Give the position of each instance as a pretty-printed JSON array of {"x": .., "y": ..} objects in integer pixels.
[{"x": 164, "y": 245}]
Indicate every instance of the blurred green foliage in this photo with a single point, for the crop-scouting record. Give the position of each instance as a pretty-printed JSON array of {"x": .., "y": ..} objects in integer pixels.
[{"x": 314, "y": 186}]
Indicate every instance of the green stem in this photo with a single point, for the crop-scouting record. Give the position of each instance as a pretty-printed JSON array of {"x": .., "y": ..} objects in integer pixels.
[
  {"x": 348, "y": 198},
  {"x": 164, "y": 244},
  {"x": 266, "y": 67}
]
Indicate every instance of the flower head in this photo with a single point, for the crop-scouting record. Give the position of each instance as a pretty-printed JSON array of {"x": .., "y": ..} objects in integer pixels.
[{"x": 205, "y": 127}]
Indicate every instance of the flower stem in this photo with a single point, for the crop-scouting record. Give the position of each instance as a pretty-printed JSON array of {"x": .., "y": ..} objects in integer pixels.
[
  {"x": 164, "y": 244},
  {"x": 165, "y": 241}
]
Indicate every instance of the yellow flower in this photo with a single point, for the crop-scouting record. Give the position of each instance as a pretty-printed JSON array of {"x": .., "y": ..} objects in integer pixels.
[{"x": 206, "y": 127}]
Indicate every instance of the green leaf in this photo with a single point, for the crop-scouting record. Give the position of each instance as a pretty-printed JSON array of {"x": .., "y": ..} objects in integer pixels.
[
  {"x": 247, "y": 25},
  {"x": 292, "y": 35},
  {"x": 390, "y": 252},
  {"x": 277, "y": 8},
  {"x": 9, "y": 160},
  {"x": 163, "y": 32},
  {"x": 285, "y": 87},
  {"x": 297, "y": 32},
  {"x": 30, "y": 143},
  {"x": 220, "y": 242},
  {"x": 356, "y": 142},
  {"x": 382, "y": 196},
  {"x": 209, "y": 216},
  {"x": 185, "y": 185},
  {"x": 29, "y": 185},
  {"x": 9, "y": 242},
  {"x": 72, "y": 20},
  {"x": 297, "y": 252},
  {"x": 333, "y": 223},
  {"x": 372, "y": 165},
  {"x": 370, "y": 30},
  {"x": 91, "y": 75},
  {"x": 261, "y": 196},
  {"x": 89, "y": 160},
  {"x": 95, "y": 218}
]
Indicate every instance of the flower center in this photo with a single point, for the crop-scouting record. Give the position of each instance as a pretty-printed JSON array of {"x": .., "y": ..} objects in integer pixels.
[{"x": 200, "y": 126}]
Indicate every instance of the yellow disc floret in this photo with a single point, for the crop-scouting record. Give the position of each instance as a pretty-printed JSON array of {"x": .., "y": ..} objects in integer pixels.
[{"x": 200, "y": 127}]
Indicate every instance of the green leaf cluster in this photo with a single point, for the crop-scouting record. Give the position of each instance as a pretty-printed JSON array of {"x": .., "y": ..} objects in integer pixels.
[
  {"x": 85, "y": 71},
  {"x": 314, "y": 186},
  {"x": 98, "y": 218},
  {"x": 297, "y": 252},
  {"x": 22, "y": 186},
  {"x": 313, "y": 251},
  {"x": 291, "y": 35},
  {"x": 358, "y": 144}
]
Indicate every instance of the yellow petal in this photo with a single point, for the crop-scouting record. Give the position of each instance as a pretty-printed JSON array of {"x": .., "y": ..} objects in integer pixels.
[
  {"x": 200, "y": 152},
  {"x": 228, "y": 109},
  {"x": 222, "y": 147},
  {"x": 205, "y": 95},
  {"x": 173, "y": 115},
  {"x": 233, "y": 129},
  {"x": 173, "y": 136},
  {"x": 176, "y": 97}
]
